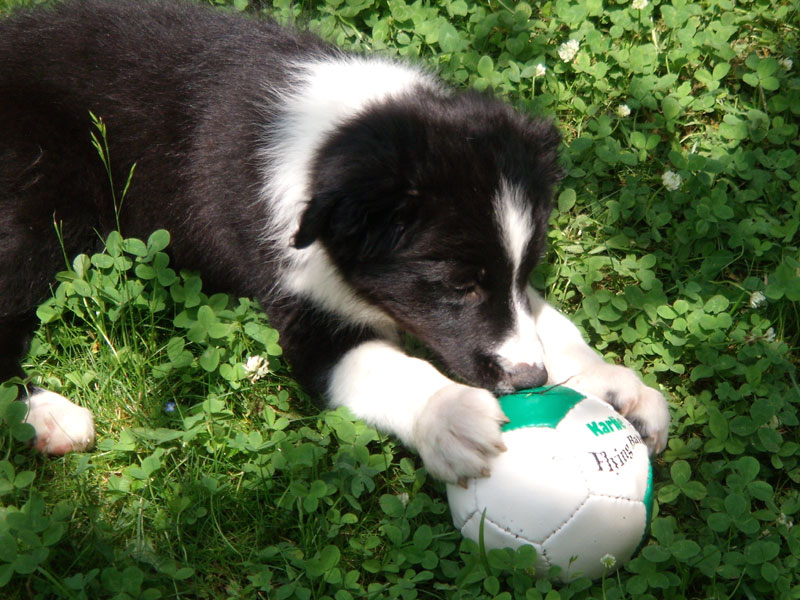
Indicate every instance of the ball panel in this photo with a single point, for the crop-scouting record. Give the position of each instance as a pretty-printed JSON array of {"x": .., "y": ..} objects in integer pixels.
[
  {"x": 534, "y": 487},
  {"x": 462, "y": 502},
  {"x": 603, "y": 525},
  {"x": 494, "y": 535},
  {"x": 540, "y": 407},
  {"x": 607, "y": 449}
]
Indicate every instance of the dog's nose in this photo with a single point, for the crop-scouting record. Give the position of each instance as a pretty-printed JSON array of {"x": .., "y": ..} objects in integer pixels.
[{"x": 525, "y": 375}]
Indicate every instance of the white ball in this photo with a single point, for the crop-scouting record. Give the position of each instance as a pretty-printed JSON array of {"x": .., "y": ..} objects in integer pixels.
[{"x": 575, "y": 483}]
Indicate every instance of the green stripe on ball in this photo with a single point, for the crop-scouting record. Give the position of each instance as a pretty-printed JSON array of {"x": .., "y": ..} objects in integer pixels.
[{"x": 539, "y": 407}]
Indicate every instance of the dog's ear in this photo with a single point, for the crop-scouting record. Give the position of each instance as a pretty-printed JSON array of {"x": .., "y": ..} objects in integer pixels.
[
  {"x": 312, "y": 222},
  {"x": 363, "y": 186},
  {"x": 363, "y": 222}
]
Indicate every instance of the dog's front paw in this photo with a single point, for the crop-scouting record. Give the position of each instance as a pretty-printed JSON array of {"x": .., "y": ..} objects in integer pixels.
[
  {"x": 643, "y": 406},
  {"x": 61, "y": 426},
  {"x": 459, "y": 432}
]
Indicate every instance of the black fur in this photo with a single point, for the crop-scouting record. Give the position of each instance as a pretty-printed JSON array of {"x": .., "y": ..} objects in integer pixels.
[{"x": 400, "y": 194}]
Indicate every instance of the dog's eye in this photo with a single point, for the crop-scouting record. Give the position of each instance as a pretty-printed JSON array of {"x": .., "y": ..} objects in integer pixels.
[
  {"x": 470, "y": 293},
  {"x": 475, "y": 295}
]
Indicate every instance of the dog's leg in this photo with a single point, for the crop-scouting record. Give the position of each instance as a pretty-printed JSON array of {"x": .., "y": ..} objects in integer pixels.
[
  {"x": 61, "y": 426},
  {"x": 570, "y": 360},
  {"x": 455, "y": 428}
]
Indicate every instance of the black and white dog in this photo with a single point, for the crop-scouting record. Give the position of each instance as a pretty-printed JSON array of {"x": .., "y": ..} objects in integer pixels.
[{"x": 356, "y": 197}]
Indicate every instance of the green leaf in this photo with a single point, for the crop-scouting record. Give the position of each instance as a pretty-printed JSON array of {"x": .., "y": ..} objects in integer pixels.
[
  {"x": 681, "y": 472},
  {"x": 158, "y": 241},
  {"x": 766, "y": 67},
  {"x": 485, "y": 67},
  {"x": 8, "y": 548},
  {"x": 736, "y": 504},
  {"x": 6, "y": 572},
  {"x": 423, "y": 537},
  {"x": 720, "y": 70},
  {"x": 670, "y": 108},
  {"x": 392, "y": 506},
  {"x": 178, "y": 357},
  {"x": 666, "y": 312},
  {"x": 209, "y": 360},
  {"x": 748, "y": 467},
  {"x": 655, "y": 553},
  {"x": 683, "y": 550},
  {"x": 135, "y": 247},
  {"x": 717, "y": 423},
  {"x": 327, "y": 559},
  {"x": 449, "y": 38},
  {"x": 566, "y": 200},
  {"x": 716, "y": 304},
  {"x": 719, "y": 522},
  {"x": 24, "y": 479},
  {"x": 457, "y": 8},
  {"x": 783, "y": 282}
]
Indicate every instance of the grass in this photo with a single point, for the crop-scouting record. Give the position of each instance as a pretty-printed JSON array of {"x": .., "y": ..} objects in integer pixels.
[{"x": 674, "y": 246}]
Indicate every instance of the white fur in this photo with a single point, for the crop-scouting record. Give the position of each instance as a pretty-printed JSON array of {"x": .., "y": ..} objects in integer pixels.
[
  {"x": 61, "y": 426},
  {"x": 459, "y": 433},
  {"x": 379, "y": 383},
  {"x": 455, "y": 428},
  {"x": 523, "y": 345},
  {"x": 327, "y": 93},
  {"x": 566, "y": 353},
  {"x": 513, "y": 216},
  {"x": 515, "y": 225}
]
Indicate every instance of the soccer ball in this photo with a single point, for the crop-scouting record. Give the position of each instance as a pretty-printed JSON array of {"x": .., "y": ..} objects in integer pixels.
[{"x": 575, "y": 483}]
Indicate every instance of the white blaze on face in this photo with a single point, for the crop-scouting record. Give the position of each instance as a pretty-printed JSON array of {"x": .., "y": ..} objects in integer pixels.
[{"x": 516, "y": 227}]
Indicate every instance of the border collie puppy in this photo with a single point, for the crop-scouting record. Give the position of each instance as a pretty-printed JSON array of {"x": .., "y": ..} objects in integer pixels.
[{"x": 355, "y": 197}]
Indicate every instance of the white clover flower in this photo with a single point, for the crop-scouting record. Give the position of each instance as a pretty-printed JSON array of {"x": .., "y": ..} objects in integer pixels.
[
  {"x": 769, "y": 335},
  {"x": 757, "y": 299},
  {"x": 671, "y": 180},
  {"x": 608, "y": 560},
  {"x": 786, "y": 63},
  {"x": 568, "y": 50},
  {"x": 256, "y": 367},
  {"x": 623, "y": 110},
  {"x": 784, "y": 520},
  {"x": 540, "y": 70},
  {"x": 639, "y": 4}
]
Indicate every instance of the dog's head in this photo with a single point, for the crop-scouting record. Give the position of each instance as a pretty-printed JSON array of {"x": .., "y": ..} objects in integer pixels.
[{"x": 435, "y": 208}]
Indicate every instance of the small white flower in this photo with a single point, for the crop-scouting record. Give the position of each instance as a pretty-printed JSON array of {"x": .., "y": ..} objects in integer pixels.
[
  {"x": 769, "y": 335},
  {"x": 786, "y": 63},
  {"x": 671, "y": 180},
  {"x": 540, "y": 70},
  {"x": 568, "y": 50},
  {"x": 639, "y": 4},
  {"x": 256, "y": 367},
  {"x": 623, "y": 110},
  {"x": 757, "y": 299},
  {"x": 784, "y": 520},
  {"x": 608, "y": 560}
]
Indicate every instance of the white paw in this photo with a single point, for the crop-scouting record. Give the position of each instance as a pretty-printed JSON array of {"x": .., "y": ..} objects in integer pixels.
[
  {"x": 459, "y": 432},
  {"x": 643, "y": 406},
  {"x": 61, "y": 426}
]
